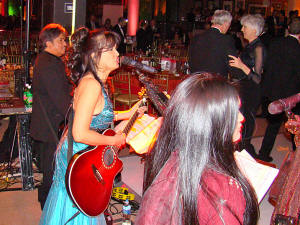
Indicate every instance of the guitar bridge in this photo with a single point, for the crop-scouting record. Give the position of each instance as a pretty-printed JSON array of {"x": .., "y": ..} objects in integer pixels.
[{"x": 97, "y": 174}]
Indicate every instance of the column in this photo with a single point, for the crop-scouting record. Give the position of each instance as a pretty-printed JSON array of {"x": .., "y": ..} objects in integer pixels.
[
  {"x": 4, "y": 11},
  {"x": 133, "y": 17},
  {"x": 293, "y": 5}
]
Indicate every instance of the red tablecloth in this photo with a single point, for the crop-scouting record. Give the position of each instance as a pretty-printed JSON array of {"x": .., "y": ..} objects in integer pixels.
[
  {"x": 173, "y": 81},
  {"x": 136, "y": 85}
]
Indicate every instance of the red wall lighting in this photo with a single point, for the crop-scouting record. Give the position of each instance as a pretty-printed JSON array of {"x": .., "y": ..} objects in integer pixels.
[{"x": 133, "y": 17}]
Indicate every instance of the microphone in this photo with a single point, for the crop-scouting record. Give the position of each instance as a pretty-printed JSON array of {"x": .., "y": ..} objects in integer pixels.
[
  {"x": 283, "y": 104},
  {"x": 130, "y": 62}
]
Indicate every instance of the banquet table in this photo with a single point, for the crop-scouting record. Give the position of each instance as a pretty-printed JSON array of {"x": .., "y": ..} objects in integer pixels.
[
  {"x": 173, "y": 81},
  {"x": 162, "y": 77}
]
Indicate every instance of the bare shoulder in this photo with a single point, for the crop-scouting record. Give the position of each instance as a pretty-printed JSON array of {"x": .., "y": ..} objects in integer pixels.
[
  {"x": 88, "y": 84},
  {"x": 88, "y": 90}
]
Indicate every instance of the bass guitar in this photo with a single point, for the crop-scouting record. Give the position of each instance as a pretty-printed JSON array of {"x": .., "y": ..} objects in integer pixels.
[
  {"x": 158, "y": 98},
  {"x": 91, "y": 173}
]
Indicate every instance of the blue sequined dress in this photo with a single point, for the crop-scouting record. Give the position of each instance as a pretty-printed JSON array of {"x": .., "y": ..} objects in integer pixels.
[{"x": 59, "y": 207}]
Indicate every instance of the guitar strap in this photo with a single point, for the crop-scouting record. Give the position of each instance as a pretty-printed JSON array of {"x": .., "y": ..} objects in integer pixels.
[
  {"x": 70, "y": 148},
  {"x": 76, "y": 214},
  {"x": 70, "y": 136}
]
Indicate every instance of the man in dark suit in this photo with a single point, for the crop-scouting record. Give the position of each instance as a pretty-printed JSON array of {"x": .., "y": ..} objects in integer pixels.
[
  {"x": 282, "y": 79},
  {"x": 142, "y": 37},
  {"x": 209, "y": 50},
  {"x": 120, "y": 28},
  {"x": 51, "y": 99},
  {"x": 153, "y": 32},
  {"x": 272, "y": 22},
  {"x": 92, "y": 23}
]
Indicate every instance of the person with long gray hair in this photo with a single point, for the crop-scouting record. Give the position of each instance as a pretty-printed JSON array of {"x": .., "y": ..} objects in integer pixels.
[
  {"x": 191, "y": 176},
  {"x": 251, "y": 62}
]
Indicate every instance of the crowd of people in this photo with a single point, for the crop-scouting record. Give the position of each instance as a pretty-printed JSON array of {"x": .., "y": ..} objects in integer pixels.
[
  {"x": 256, "y": 71},
  {"x": 191, "y": 176},
  {"x": 13, "y": 22},
  {"x": 9, "y": 22}
]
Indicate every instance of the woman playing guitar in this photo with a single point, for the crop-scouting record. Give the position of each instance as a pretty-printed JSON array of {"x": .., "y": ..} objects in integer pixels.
[{"x": 93, "y": 57}]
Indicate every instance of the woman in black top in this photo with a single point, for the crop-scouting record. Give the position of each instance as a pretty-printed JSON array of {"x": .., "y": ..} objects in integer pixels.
[{"x": 251, "y": 63}]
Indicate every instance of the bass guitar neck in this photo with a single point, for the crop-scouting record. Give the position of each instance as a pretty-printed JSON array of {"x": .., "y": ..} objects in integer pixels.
[{"x": 159, "y": 99}]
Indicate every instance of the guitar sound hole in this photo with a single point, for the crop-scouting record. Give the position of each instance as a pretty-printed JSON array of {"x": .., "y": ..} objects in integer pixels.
[{"x": 108, "y": 157}]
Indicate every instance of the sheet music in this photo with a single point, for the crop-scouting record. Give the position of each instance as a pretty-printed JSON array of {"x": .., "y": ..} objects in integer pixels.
[
  {"x": 259, "y": 176},
  {"x": 143, "y": 133}
]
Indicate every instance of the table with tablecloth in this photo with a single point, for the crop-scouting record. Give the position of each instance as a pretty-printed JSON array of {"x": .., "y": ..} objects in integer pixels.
[{"x": 136, "y": 85}]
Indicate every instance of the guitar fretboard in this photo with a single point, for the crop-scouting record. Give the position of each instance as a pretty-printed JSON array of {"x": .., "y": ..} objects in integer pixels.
[
  {"x": 130, "y": 123},
  {"x": 158, "y": 98}
]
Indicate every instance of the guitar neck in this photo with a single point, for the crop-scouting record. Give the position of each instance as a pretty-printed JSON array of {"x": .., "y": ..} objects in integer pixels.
[
  {"x": 131, "y": 120},
  {"x": 158, "y": 98}
]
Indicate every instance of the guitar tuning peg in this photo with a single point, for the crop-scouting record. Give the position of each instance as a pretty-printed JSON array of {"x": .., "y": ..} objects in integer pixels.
[{"x": 142, "y": 92}]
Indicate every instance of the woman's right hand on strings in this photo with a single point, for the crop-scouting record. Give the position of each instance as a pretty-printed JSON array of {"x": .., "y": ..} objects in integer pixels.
[{"x": 120, "y": 139}]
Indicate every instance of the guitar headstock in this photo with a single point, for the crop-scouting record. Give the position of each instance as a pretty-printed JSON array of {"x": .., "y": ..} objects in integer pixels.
[{"x": 142, "y": 92}]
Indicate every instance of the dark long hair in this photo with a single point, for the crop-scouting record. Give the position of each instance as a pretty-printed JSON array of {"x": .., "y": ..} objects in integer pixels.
[
  {"x": 84, "y": 44},
  {"x": 199, "y": 123}
]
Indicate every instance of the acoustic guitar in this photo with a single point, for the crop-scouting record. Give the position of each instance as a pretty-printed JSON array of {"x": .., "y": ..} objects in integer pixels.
[{"x": 91, "y": 173}]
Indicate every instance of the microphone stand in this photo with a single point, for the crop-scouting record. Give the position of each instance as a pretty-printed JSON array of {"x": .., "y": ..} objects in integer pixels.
[
  {"x": 27, "y": 52},
  {"x": 25, "y": 151}
]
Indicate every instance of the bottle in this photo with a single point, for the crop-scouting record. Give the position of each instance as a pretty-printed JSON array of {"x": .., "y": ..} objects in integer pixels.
[
  {"x": 3, "y": 61},
  {"x": 154, "y": 48},
  {"x": 36, "y": 51},
  {"x": 27, "y": 97},
  {"x": 187, "y": 68},
  {"x": 126, "y": 213},
  {"x": 152, "y": 62},
  {"x": 149, "y": 51}
]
